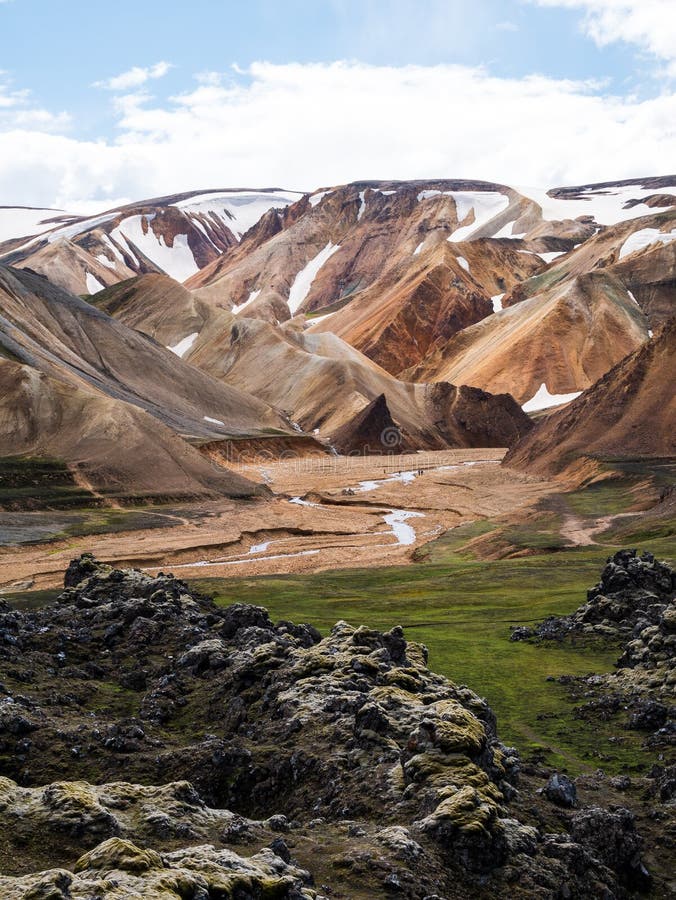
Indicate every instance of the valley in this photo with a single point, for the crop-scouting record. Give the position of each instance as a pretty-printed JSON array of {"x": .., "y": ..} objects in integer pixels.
[
  {"x": 328, "y": 512},
  {"x": 301, "y": 496}
]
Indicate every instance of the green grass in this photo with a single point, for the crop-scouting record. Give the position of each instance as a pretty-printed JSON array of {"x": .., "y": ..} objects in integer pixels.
[
  {"x": 462, "y": 609},
  {"x": 540, "y": 534},
  {"x": 37, "y": 482},
  {"x": 605, "y": 498}
]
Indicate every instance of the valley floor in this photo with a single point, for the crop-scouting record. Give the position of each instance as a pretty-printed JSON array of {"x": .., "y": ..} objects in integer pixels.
[{"x": 328, "y": 513}]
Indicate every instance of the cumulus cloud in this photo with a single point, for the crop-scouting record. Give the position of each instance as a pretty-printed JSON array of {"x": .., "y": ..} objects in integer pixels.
[
  {"x": 17, "y": 109},
  {"x": 649, "y": 24},
  {"x": 306, "y": 126},
  {"x": 134, "y": 77}
]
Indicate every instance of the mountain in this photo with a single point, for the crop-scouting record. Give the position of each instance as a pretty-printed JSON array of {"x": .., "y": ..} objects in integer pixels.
[
  {"x": 565, "y": 327},
  {"x": 120, "y": 412},
  {"x": 628, "y": 413},
  {"x": 319, "y": 381},
  {"x": 68, "y": 339},
  {"x": 320, "y": 303},
  {"x": 397, "y": 269},
  {"x": 565, "y": 338},
  {"x": 110, "y": 450},
  {"x": 175, "y": 235}
]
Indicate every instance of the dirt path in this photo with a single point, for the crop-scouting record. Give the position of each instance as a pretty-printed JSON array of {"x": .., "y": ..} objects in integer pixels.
[{"x": 581, "y": 533}]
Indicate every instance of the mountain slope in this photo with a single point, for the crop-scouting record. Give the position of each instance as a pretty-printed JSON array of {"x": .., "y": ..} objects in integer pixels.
[
  {"x": 175, "y": 235},
  {"x": 398, "y": 268},
  {"x": 66, "y": 338},
  {"x": 112, "y": 450},
  {"x": 322, "y": 383},
  {"x": 317, "y": 379},
  {"x": 630, "y": 412},
  {"x": 566, "y": 338}
]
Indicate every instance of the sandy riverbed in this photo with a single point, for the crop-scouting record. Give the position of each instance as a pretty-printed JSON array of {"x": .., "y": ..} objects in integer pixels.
[{"x": 328, "y": 512}]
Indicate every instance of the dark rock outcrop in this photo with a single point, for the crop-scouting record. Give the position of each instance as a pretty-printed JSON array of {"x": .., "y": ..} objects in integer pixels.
[{"x": 253, "y": 728}]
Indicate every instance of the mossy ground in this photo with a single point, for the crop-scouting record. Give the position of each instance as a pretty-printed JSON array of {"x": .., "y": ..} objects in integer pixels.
[
  {"x": 28, "y": 482},
  {"x": 462, "y": 607}
]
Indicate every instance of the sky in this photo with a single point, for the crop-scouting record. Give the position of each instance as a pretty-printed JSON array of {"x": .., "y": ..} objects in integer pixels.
[{"x": 104, "y": 103}]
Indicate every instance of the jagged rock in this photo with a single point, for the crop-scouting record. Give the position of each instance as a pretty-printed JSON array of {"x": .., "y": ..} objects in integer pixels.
[
  {"x": 372, "y": 430},
  {"x": 634, "y": 602},
  {"x": 611, "y": 837},
  {"x": 561, "y": 790},
  {"x": 634, "y": 593},
  {"x": 277, "y": 729},
  {"x": 118, "y": 868}
]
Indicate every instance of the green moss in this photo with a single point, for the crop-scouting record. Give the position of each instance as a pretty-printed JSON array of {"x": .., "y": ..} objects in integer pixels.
[
  {"x": 36, "y": 482},
  {"x": 462, "y": 609}
]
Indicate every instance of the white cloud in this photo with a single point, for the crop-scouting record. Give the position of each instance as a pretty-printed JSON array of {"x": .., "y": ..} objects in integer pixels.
[
  {"x": 507, "y": 26},
  {"x": 18, "y": 110},
  {"x": 134, "y": 77},
  {"x": 650, "y": 24},
  {"x": 306, "y": 126}
]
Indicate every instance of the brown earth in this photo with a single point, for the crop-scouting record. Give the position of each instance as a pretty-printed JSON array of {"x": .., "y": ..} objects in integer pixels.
[
  {"x": 318, "y": 380},
  {"x": 69, "y": 340},
  {"x": 339, "y": 525},
  {"x": 113, "y": 450},
  {"x": 567, "y": 338},
  {"x": 628, "y": 413}
]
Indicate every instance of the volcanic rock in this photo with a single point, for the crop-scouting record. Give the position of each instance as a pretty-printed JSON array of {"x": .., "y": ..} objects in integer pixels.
[{"x": 285, "y": 731}]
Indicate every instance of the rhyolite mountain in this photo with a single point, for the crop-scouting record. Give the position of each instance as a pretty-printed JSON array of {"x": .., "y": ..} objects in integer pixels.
[
  {"x": 419, "y": 276},
  {"x": 129, "y": 419},
  {"x": 175, "y": 235},
  {"x": 627, "y": 415},
  {"x": 121, "y": 411},
  {"x": 319, "y": 382},
  {"x": 252, "y": 313}
]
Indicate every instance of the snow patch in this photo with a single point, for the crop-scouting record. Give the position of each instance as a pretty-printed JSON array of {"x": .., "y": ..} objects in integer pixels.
[
  {"x": 606, "y": 205},
  {"x": 497, "y": 302},
  {"x": 238, "y": 210},
  {"x": 544, "y": 400},
  {"x": 418, "y": 248},
  {"x": 177, "y": 261},
  {"x": 486, "y": 205},
  {"x": 70, "y": 231},
  {"x": 259, "y": 548},
  {"x": 315, "y": 320},
  {"x": 303, "y": 280},
  {"x": 251, "y": 298},
  {"x": 362, "y": 204},
  {"x": 213, "y": 421},
  {"x": 93, "y": 284},
  {"x": 463, "y": 262},
  {"x": 16, "y": 222},
  {"x": 507, "y": 232},
  {"x": 397, "y": 519},
  {"x": 316, "y": 199},
  {"x": 639, "y": 240},
  {"x": 550, "y": 257},
  {"x": 183, "y": 346},
  {"x": 205, "y": 564}
]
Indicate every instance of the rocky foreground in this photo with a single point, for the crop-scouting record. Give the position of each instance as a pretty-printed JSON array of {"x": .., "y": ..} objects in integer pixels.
[
  {"x": 155, "y": 745},
  {"x": 634, "y": 605}
]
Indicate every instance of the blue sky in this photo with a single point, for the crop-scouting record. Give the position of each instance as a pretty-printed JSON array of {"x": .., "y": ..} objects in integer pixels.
[{"x": 247, "y": 86}]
